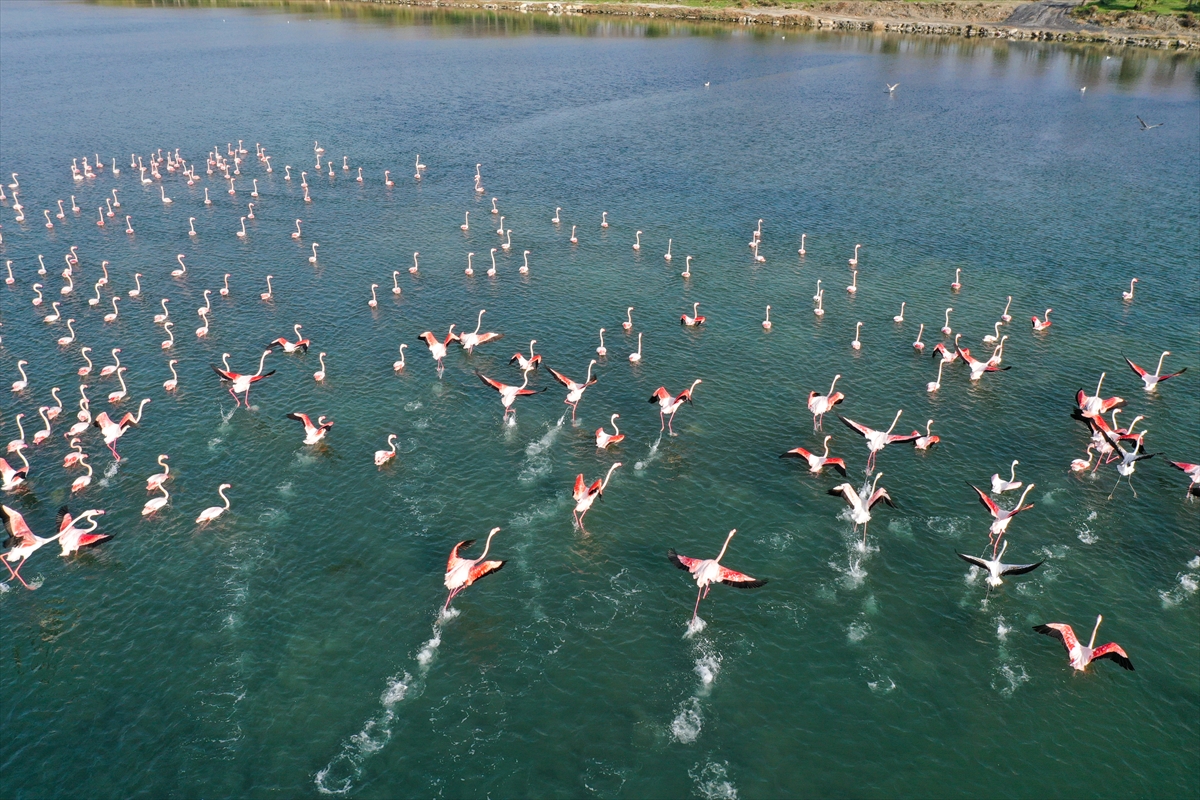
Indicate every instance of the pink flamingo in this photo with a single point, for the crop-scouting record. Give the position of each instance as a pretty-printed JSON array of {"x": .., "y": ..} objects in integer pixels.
[
  {"x": 708, "y": 571},
  {"x": 462, "y": 572}
]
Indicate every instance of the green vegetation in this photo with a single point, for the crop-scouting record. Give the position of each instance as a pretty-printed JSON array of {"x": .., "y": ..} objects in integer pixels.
[{"x": 1186, "y": 9}]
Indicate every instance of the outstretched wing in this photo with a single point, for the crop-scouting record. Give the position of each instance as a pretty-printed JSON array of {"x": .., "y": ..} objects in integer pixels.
[
  {"x": 558, "y": 376},
  {"x": 683, "y": 562},
  {"x": 484, "y": 338},
  {"x": 495, "y": 384},
  {"x": 796, "y": 452},
  {"x": 988, "y": 503},
  {"x": 257, "y": 378},
  {"x": 483, "y": 569},
  {"x": 978, "y": 562},
  {"x": 1144, "y": 125},
  {"x": 301, "y": 418},
  {"x": 857, "y": 427},
  {"x": 226, "y": 376},
  {"x": 893, "y": 438},
  {"x": 14, "y": 523},
  {"x": 739, "y": 580},
  {"x": 1061, "y": 632},
  {"x": 64, "y": 519},
  {"x": 580, "y": 490},
  {"x": 1020, "y": 569},
  {"x": 450, "y": 563},
  {"x": 1162, "y": 378},
  {"x": 837, "y": 463},
  {"x": 523, "y": 392},
  {"x": 1141, "y": 372},
  {"x": 1113, "y": 651},
  {"x": 880, "y": 494}
]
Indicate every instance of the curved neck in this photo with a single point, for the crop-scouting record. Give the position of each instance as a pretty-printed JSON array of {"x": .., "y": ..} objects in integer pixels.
[
  {"x": 1022, "y": 500},
  {"x": 608, "y": 477},
  {"x": 613, "y": 420},
  {"x": 487, "y": 545},
  {"x": 897, "y": 419},
  {"x": 262, "y": 360},
  {"x": 221, "y": 491},
  {"x": 1158, "y": 370},
  {"x": 827, "y": 438},
  {"x": 1012, "y": 471}
]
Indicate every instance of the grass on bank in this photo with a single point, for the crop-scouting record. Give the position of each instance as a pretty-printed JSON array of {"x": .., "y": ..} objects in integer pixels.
[{"x": 1175, "y": 8}]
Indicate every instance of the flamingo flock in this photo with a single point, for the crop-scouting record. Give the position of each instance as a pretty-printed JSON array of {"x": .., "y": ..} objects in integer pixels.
[{"x": 1106, "y": 441}]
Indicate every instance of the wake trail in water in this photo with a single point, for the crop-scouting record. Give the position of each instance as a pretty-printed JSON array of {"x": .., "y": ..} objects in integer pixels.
[
  {"x": 537, "y": 463},
  {"x": 650, "y": 456},
  {"x": 338, "y": 776},
  {"x": 689, "y": 717}
]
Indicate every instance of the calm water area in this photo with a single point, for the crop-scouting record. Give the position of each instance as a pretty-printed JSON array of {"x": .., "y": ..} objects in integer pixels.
[{"x": 294, "y": 647}]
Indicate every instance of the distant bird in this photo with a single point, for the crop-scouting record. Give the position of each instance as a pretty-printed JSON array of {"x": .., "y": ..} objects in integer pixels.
[
  {"x": 1128, "y": 296},
  {"x": 708, "y": 571},
  {"x": 212, "y": 512},
  {"x": 313, "y": 432},
  {"x": 816, "y": 463},
  {"x": 1146, "y": 127},
  {"x": 891, "y": 87},
  {"x": 1152, "y": 381},
  {"x": 1082, "y": 656},
  {"x": 462, "y": 572},
  {"x": 694, "y": 319},
  {"x": 995, "y": 569}
]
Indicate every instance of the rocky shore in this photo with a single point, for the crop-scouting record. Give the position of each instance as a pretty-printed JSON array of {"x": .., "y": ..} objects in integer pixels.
[{"x": 1039, "y": 21}]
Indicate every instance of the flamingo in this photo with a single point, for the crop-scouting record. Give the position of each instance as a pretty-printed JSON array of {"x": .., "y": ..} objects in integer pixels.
[
  {"x": 574, "y": 390},
  {"x": 266, "y": 296},
  {"x": 313, "y": 433},
  {"x": 767, "y": 322},
  {"x": 602, "y": 351},
  {"x": 816, "y": 463},
  {"x": 491, "y": 273},
  {"x": 877, "y": 440},
  {"x": 933, "y": 386},
  {"x": 978, "y": 367},
  {"x": 83, "y": 351},
  {"x": 319, "y": 375},
  {"x": 55, "y": 315},
  {"x": 462, "y": 572},
  {"x": 802, "y": 251},
  {"x": 949, "y": 355},
  {"x": 300, "y": 344},
  {"x": 179, "y": 273},
  {"x": 495, "y": 209},
  {"x": 116, "y": 397},
  {"x": 202, "y": 331},
  {"x": 628, "y": 323},
  {"x": 946, "y": 327},
  {"x": 509, "y": 394},
  {"x": 1079, "y": 465},
  {"x": 1151, "y": 381},
  {"x": 396, "y": 290},
  {"x": 1005, "y": 317},
  {"x": 899, "y": 317},
  {"x": 23, "y": 384},
  {"x": 928, "y": 440},
  {"x": 635, "y": 358},
  {"x": 384, "y": 456},
  {"x": 820, "y": 404},
  {"x": 708, "y": 571},
  {"x": 1128, "y": 296},
  {"x": 995, "y": 569},
  {"x": 70, "y": 287},
  {"x": 396, "y": 365},
  {"x": 853, "y": 287},
  {"x": 26, "y": 542},
  {"x": 66, "y": 340},
  {"x": 854, "y": 258},
  {"x": 637, "y": 245},
  {"x": 524, "y": 268},
  {"x": 687, "y": 267},
  {"x": 155, "y": 504},
  {"x": 469, "y": 341},
  {"x": 604, "y": 438},
  {"x": 1001, "y": 517},
  {"x": 18, "y": 443},
  {"x": 585, "y": 495},
  {"x": 44, "y": 434},
  {"x": 239, "y": 382},
  {"x": 556, "y": 219},
  {"x": 387, "y": 179},
  {"x": 157, "y": 479},
  {"x": 438, "y": 349},
  {"x": 212, "y": 512},
  {"x": 957, "y": 282},
  {"x": 172, "y": 383},
  {"x": 37, "y": 301},
  {"x": 693, "y": 320},
  {"x": 1129, "y": 459},
  {"x": 296, "y": 233},
  {"x": 161, "y": 318},
  {"x": 191, "y": 226},
  {"x": 70, "y": 538},
  {"x": 416, "y": 267},
  {"x": 53, "y": 411},
  {"x": 1095, "y": 405},
  {"x": 860, "y": 506},
  {"x": 757, "y": 257},
  {"x": 857, "y": 344},
  {"x": 668, "y": 405},
  {"x": 83, "y": 481},
  {"x": 1193, "y": 472},
  {"x": 242, "y": 233},
  {"x": 527, "y": 364},
  {"x": 667, "y": 255},
  {"x": 1079, "y": 655},
  {"x": 820, "y": 309},
  {"x": 470, "y": 270},
  {"x": 1042, "y": 324},
  {"x": 10, "y": 477},
  {"x": 1000, "y": 486},
  {"x": 313, "y": 258},
  {"x": 95, "y": 301}
]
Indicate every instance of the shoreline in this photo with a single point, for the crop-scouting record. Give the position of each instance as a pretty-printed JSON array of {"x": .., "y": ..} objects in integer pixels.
[{"x": 969, "y": 20}]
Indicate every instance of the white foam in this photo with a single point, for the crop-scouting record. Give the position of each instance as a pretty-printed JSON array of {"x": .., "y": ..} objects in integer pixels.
[
  {"x": 695, "y": 625},
  {"x": 707, "y": 667},
  {"x": 1002, "y": 629},
  {"x": 688, "y": 722},
  {"x": 111, "y": 469},
  {"x": 412, "y": 406},
  {"x": 1086, "y": 536},
  {"x": 534, "y": 448},
  {"x": 880, "y": 686},
  {"x": 712, "y": 782},
  {"x": 1009, "y": 679},
  {"x": 1187, "y": 585},
  {"x": 650, "y": 456},
  {"x": 858, "y": 631}
]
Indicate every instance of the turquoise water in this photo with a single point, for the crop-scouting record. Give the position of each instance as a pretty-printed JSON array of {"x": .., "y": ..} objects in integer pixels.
[{"x": 294, "y": 647}]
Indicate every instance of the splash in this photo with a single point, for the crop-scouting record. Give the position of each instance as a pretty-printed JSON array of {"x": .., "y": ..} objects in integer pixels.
[
  {"x": 1188, "y": 583},
  {"x": 858, "y": 631},
  {"x": 712, "y": 781},
  {"x": 1002, "y": 629},
  {"x": 1009, "y": 679},
  {"x": 540, "y": 446},
  {"x": 853, "y": 573},
  {"x": 1086, "y": 536},
  {"x": 707, "y": 667},
  {"x": 694, "y": 626},
  {"x": 688, "y": 722},
  {"x": 412, "y": 406},
  {"x": 111, "y": 469},
  {"x": 338, "y": 776},
  {"x": 650, "y": 456},
  {"x": 880, "y": 686}
]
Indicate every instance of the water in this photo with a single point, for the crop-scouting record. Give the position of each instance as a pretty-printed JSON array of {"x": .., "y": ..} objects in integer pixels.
[{"x": 295, "y": 646}]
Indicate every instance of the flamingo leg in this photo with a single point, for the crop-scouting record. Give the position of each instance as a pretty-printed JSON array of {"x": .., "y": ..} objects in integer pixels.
[
  {"x": 246, "y": 398},
  {"x": 696, "y": 610},
  {"x": 670, "y": 424},
  {"x": 234, "y": 396},
  {"x": 114, "y": 452},
  {"x": 1115, "y": 485},
  {"x": 1130, "y": 482},
  {"x": 17, "y": 573}
]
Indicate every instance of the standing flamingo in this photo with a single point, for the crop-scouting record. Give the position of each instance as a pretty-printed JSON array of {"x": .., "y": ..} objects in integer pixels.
[
  {"x": 602, "y": 351},
  {"x": 957, "y": 282},
  {"x": 635, "y": 358},
  {"x": 384, "y": 456},
  {"x": 159, "y": 478},
  {"x": 946, "y": 331},
  {"x": 212, "y": 512},
  {"x": 693, "y": 320},
  {"x": 709, "y": 571},
  {"x": 854, "y": 258},
  {"x": 319, "y": 375},
  {"x": 1128, "y": 296},
  {"x": 767, "y": 322},
  {"x": 628, "y": 323}
]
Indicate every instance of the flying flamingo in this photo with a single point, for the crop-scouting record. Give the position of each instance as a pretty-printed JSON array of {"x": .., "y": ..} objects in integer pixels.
[
  {"x": 1000, "y": 486},
  {"x": 240, "y": 383},
  {"x": 462, "y": 572},
  {"x": 159, "y": 478},
  {"x": 1001, "y": 517},
  {"x": 816, "y": 463},
  {"x": 1129, "y": 459},
  {"x": 820, "y": 404},
  {"x": 301, "y": 344},
  {"x": 604, "y": 438},
  {"x": 438, "y": 349},
  {"x": 928, "y": 440},
  {"x": 995, "y": 569},
  {"x": 1128, "y": 296},
  {"x": 709, "y": 571},
  {"x": 26, "y": 542},
  {"x": 574, "y": 390},
  {"x": 509, "y": 394},
  {"x": 313, "y": 432},
  {"x": 1095, "y": 405},
  {"x": 70, "y": 538},
  {"x": 695, "y": 319},
  {"x": 526, "y": 364},
  {"x": 860, "y": 506},
  {"x": 668, "y": 405},
  {"x": 978, "y": 367},
  {"x": 635, "y": 358},
  {"x": 877, "y": 440},
  {"x": 212, "y": 512},
  {"x": 1079, "y": 655},
  {"x": 1193, "y": 472},
  {"x": 1042, "y": 324},
  {"x": 112, "y": 431},
  {"x": 319, "y": 375},
  {"x": 585, "y": 495},
  {"x": 384, "y": 456},
  {"x": 1151, "y": 381},
  {"x": 469, "y": 341}
]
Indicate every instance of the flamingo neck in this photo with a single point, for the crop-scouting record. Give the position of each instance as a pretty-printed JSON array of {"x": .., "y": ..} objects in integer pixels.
[
  {"x": 897, "y": 419},
  {"x": 827, "y": 438},
  {"x": 608, "y": 477},
  {"x": 588, "y": 379},
  {"x": 1022, "y": 500},
  {"x": 1095, "y": 630},
  {"x": 613, "y": 420},
  {"x": 1161, "y": 358},
  {"x": 1101, "y": 383},
  {"x": 725, "y": 547},
  {"x": 1012, "y": 471},
  {"x": 261, "y": 361},
  {"x": 487, "y": 545},
  {"x": 478, "y": 323}
]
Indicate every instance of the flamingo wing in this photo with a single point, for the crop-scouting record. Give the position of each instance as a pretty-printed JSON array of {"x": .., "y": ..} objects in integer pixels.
[
  {"x": 563, "y": 379},
  {"x": 1020, "y": 569},
  {"x": 903, "y": 437},
  {"x": 685, "y": 563},
  {"x": 326, "y": 426},
  {"x": 837, "y": 463},
  {"x": 86, "y": 539},
  {"x": 16, "y": 526},
  {"x": 1184, "y": 466},
  {"x": 739, "y": 580},
  {"x": 64, "y": 519},
  {"x": 796, "y": 452},
  {"x": 524, "y": 392},
  {"x": 880, "y": 494},
  {"x": 301, "y": 418},
  {"x": 978, "y": 562},
  {"x": 257, "y": 378},
  {"x": 225, "y": 375},
  {"x": 847, "y": 493},
  {"x": 596, "y": 488},
  {"x": 1141, "y": 372},
  {"x": 990, "y": 504},
  {"x": 857, "y": 427},
  {"x": 484, "y": 568},
  {"x": 490, "y": 336},
  {"x": 1061, "y": 632},
  {"x": 452, "y": 562},
  {"x": 495, "y": 384},
  {"x": 428, "y": 338},
  {"x": 580, "y": 490},
  {"x": 1113, "y": 651},
  {"x": 280, "y": 342},
  {"x": 1162, "y": 378}
]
